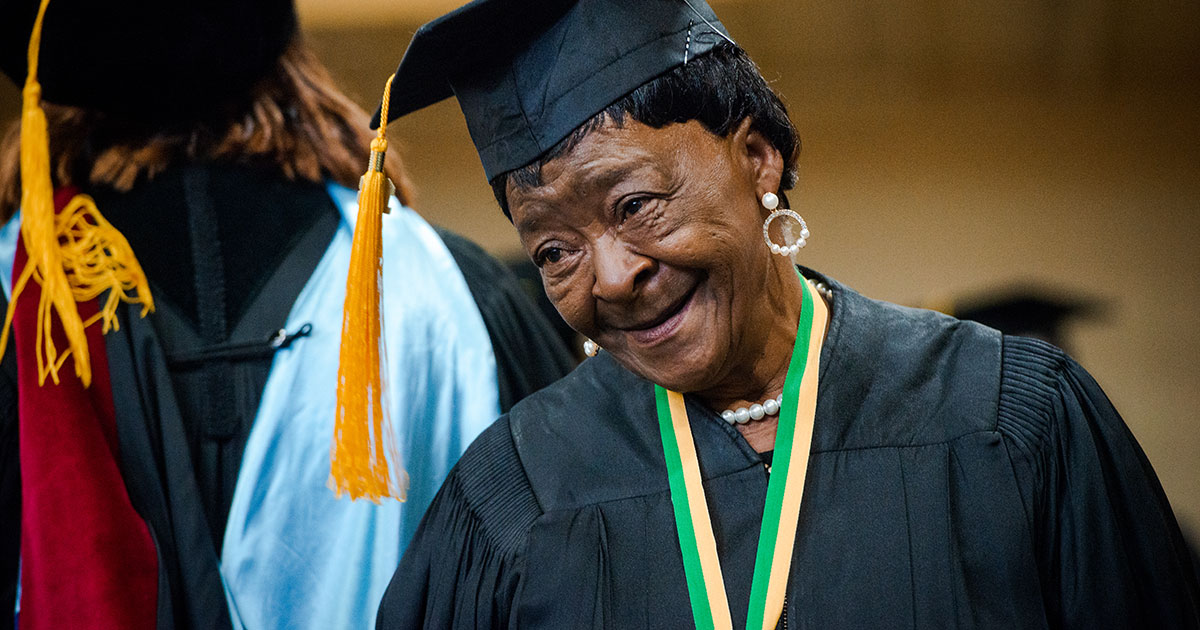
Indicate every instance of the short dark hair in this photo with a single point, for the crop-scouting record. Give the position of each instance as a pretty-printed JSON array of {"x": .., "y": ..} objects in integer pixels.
[{"x": 719, "y": 89}]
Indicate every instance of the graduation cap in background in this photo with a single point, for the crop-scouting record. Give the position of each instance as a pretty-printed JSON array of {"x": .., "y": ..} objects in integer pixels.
[
  {"x": 1029, "y": 312},
  {"x": 149, "y": 58},
  {"x": 528, "y": 72}
]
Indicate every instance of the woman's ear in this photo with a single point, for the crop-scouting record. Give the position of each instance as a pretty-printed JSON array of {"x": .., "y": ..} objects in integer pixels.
[{"x": 763, "y": 161}]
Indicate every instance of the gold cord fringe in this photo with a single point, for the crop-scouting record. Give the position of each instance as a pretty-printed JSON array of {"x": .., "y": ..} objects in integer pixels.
[
  {"x": 363, "y": 442},
  {"x": 75, "y": 255}
]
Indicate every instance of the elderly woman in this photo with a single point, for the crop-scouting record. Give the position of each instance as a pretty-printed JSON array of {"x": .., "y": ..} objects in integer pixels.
[{"x": 750, "y": 447}]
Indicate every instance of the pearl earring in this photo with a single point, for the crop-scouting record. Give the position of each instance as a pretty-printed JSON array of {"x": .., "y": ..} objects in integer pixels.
[
  {"x": 590, "y": 347},
  {"x": 770, "y": 201}
]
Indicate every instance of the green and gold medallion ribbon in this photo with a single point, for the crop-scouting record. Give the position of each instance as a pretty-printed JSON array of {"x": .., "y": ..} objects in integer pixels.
[{"x": 793, "y": 438}]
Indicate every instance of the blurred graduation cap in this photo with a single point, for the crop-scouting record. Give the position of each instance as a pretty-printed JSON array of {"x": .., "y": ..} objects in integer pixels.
[
  {"x": 1029, "y": 312},
  {"x": 528, "y": 72},
  {"x": 146, "y": 58}
]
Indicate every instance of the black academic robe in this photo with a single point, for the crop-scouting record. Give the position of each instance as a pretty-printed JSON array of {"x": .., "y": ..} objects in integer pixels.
[
  {"x": 958, "y": 478},
  {"x": 227, "y": 249}
]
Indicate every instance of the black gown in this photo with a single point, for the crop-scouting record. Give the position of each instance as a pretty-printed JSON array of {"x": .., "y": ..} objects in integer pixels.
[
  {"x": 188, "y": 379},
  {"x": 958, "y": 478}
]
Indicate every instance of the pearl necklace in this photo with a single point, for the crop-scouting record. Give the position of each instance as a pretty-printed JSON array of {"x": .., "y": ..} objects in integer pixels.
[
  {"x": 757, "y": 411},
  {"x": 770, "y": 406}
]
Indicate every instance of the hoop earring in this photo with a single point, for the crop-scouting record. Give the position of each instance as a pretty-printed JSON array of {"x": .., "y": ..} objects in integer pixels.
[
  {"x": 770, "y": 201},
  {"x": 590, "y": 348}
]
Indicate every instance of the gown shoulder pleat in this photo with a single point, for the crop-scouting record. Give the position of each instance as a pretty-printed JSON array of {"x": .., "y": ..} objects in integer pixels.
[
  {"x": 1109, "y": 549},
  {"x": 464, "y": 565}
]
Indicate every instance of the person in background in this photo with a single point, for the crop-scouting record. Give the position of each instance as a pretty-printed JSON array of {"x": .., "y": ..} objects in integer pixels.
[
  {"x": 753, "y": 444},
  {"x": 172, "y": 473}
]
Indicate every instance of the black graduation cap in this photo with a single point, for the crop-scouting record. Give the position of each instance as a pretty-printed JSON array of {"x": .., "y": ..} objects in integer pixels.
[
  {"x": 1029, "y": 312},
  {"x": 528, "y": 72},
  {"x": 146, "y": 57}
]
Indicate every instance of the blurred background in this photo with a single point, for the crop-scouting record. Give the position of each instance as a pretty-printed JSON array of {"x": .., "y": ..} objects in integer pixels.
[{"x": 954, "y": 152}]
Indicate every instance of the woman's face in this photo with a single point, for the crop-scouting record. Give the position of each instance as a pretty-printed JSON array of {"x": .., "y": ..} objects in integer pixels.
[{"x": 650, "y": 243}]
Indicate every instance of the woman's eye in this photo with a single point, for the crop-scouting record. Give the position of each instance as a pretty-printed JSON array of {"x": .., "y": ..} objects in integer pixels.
[
  {"x": 548, "y": 255},
  {"x": 633, "y": 206}
]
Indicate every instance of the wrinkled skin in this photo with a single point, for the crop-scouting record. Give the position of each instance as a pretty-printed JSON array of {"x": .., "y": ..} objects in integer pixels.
[{"x": 650, "y": 243}]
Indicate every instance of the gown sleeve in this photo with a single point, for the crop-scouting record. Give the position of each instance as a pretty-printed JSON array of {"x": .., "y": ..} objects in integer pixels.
[
  {"x": 462, "y": 569},
  {"x": 529, "y": 354},
  {"x": 1109, "y": 549}
]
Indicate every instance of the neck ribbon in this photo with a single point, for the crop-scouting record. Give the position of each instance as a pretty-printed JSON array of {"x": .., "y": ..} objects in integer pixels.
[{"x": 777, "y": 537}]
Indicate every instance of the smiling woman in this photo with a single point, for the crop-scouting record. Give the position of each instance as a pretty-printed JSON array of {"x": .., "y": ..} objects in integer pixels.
[{"x": 757, "y": 444}]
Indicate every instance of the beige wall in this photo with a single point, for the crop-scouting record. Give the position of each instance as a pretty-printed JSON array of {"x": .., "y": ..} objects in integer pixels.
[{"x": 949, "y": 146}]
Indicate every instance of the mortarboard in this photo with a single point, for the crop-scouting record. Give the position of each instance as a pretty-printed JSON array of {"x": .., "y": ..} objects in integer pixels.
[
  {"x": 528, "y": 72},
  {"x": 146, "y": 57}
]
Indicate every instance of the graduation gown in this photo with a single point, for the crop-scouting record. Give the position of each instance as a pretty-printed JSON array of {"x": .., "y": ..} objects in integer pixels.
[
  {"x": 232, "y": 254},
  {"x": 958, "y": 478}
]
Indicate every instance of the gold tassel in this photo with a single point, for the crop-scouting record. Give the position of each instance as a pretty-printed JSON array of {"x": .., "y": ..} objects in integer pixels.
[
  {"x": 75, "y": 255},
  {"x": 363, "y": 444}
]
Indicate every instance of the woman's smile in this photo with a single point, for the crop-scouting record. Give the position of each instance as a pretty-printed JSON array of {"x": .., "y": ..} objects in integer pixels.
[{"x": 664, "y": 325}]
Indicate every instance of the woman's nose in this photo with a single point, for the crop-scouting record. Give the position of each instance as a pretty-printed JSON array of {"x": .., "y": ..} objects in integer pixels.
[{"x": 619, "y": 271}]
